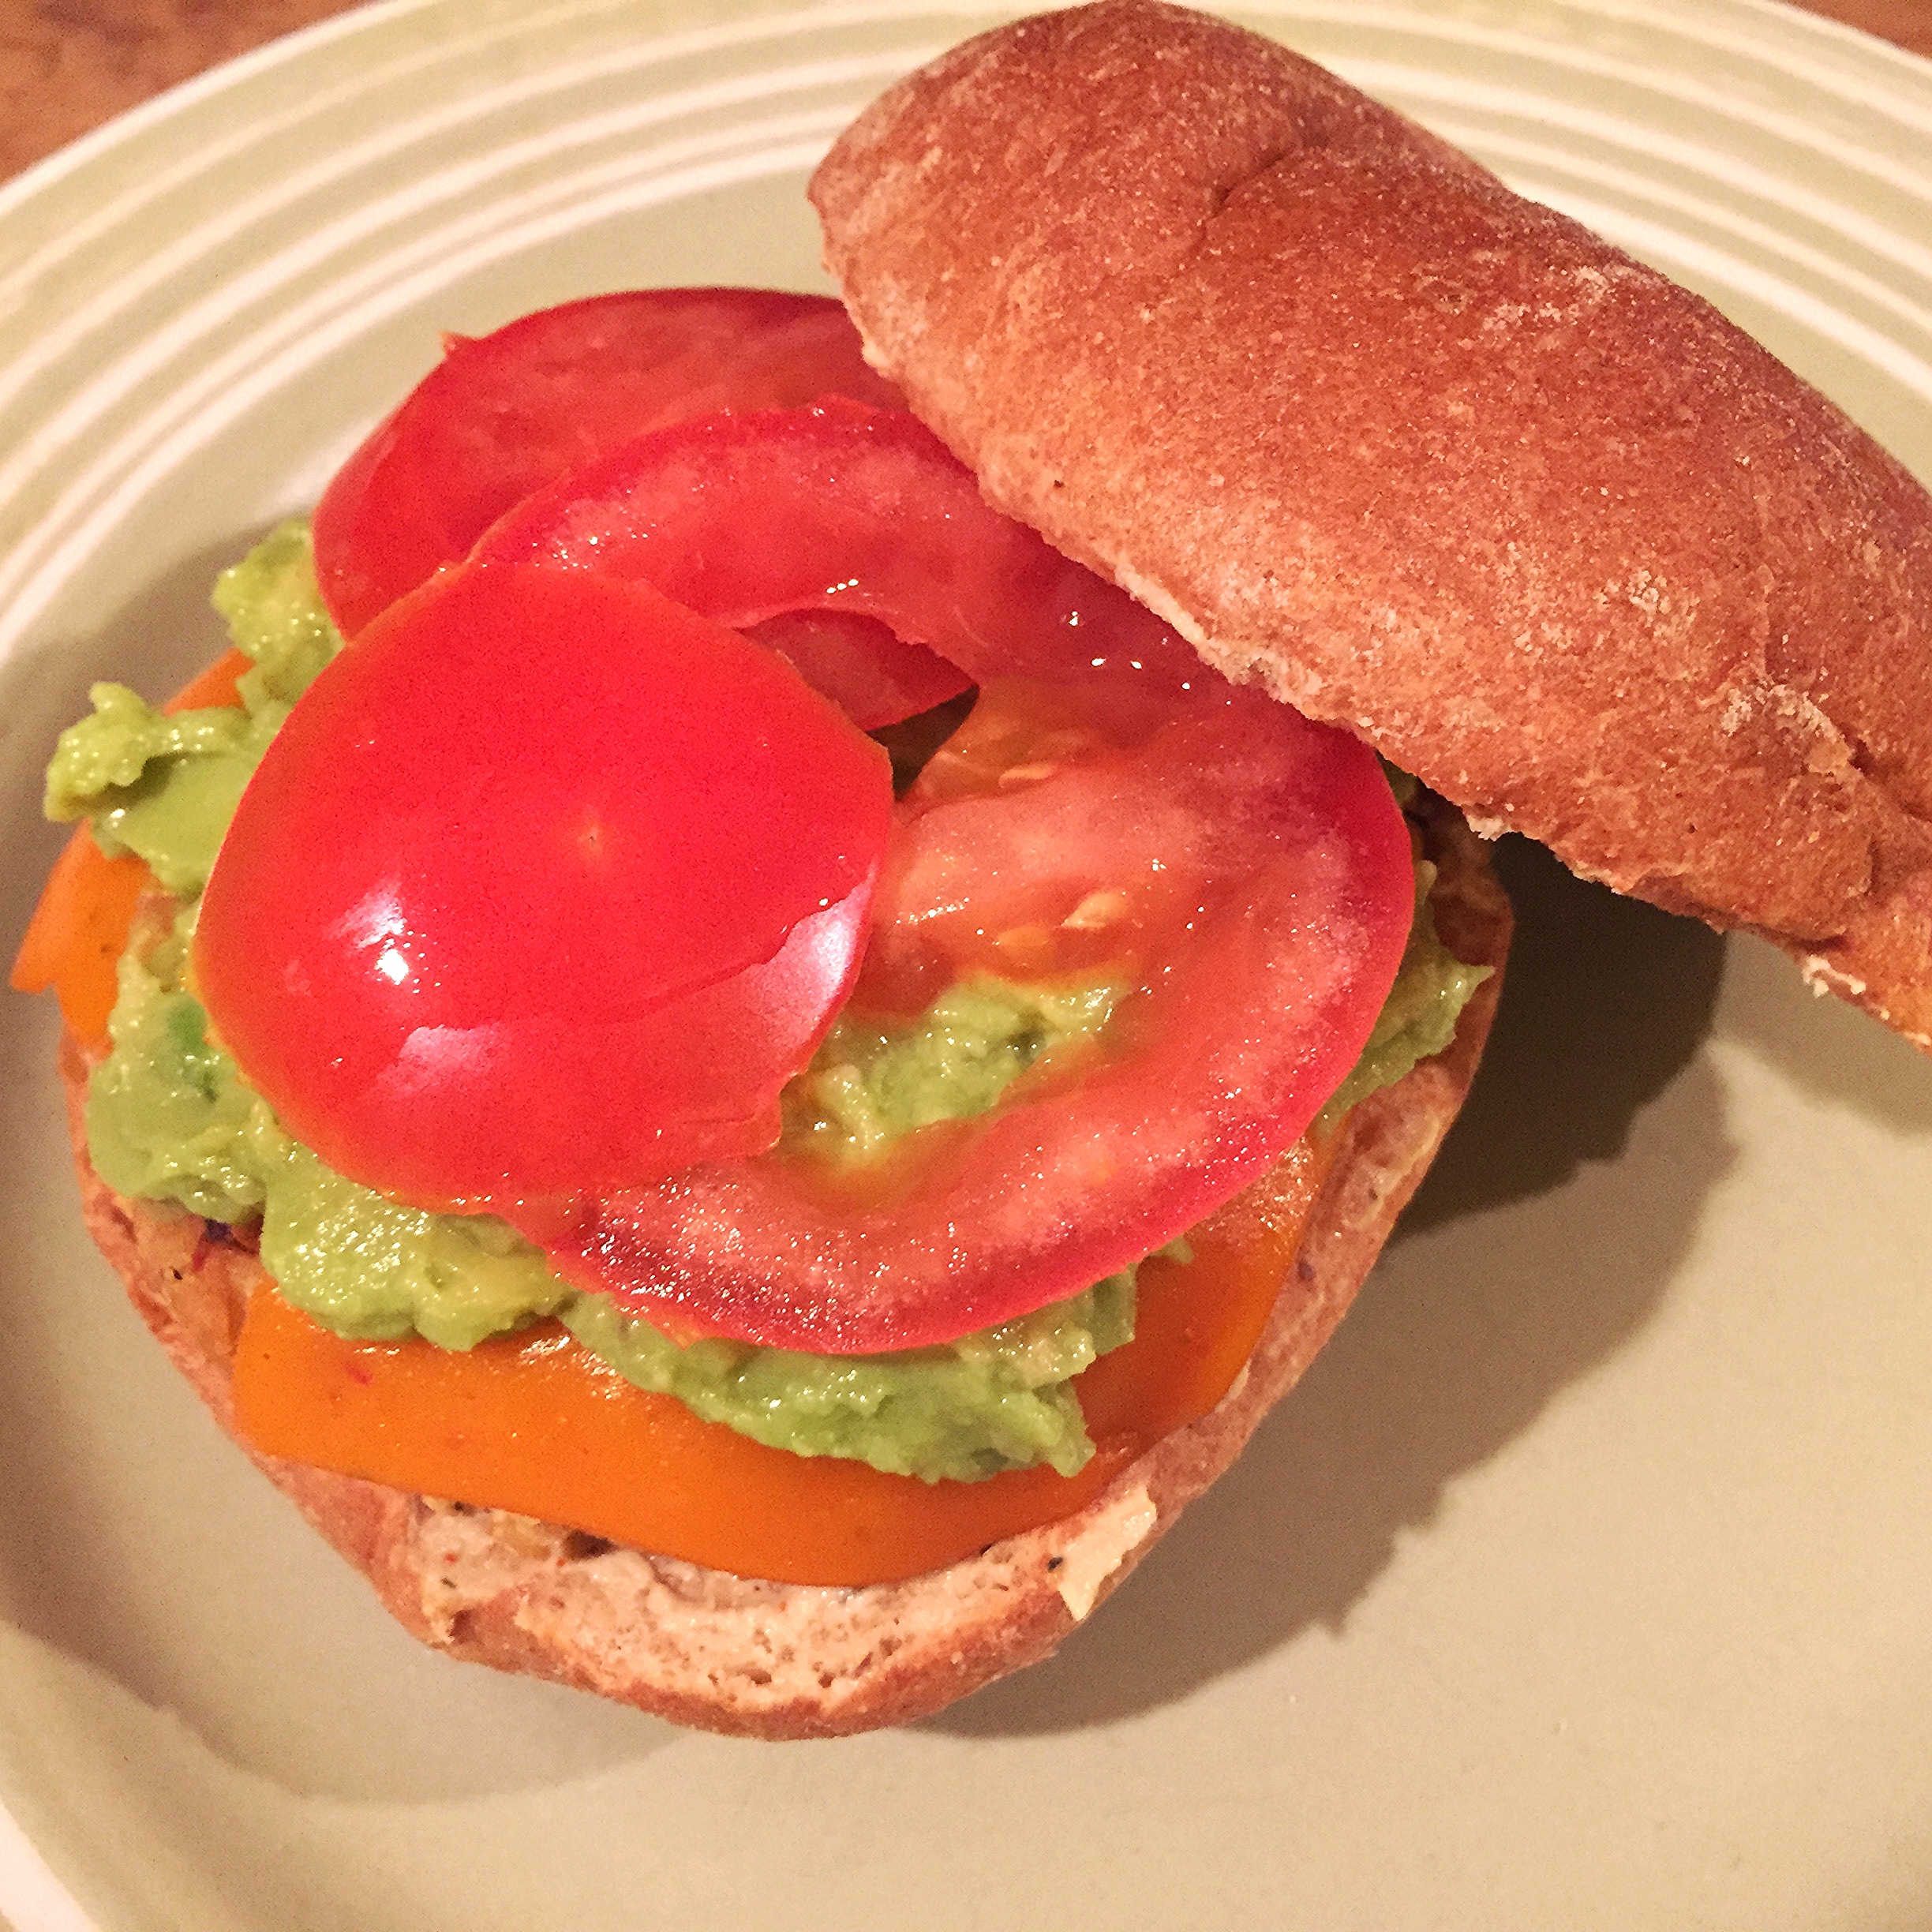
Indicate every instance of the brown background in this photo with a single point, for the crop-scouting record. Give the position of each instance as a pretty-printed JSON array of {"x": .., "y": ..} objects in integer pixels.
[{"x": 67, "y": 64}]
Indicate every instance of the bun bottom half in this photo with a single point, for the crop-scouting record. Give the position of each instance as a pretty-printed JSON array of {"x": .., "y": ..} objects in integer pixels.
[{"x": 731, "y": 1654}]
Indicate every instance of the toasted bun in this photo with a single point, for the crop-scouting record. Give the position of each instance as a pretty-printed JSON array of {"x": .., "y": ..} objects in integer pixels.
[
  {"x": 1431, "y": 461},
  {"x": 780, "y": 1660}
]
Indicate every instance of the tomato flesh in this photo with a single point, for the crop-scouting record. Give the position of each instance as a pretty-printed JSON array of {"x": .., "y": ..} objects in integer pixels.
[
  {"x": 874, "y": 678},
  {"x": 842, "y": 509},
  {"x": 503, "y": 414},
  {"x": 547, "y": 885}
]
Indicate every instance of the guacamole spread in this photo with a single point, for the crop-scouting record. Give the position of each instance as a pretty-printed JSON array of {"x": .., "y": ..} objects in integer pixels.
[{"x": 169, "y": 1118}]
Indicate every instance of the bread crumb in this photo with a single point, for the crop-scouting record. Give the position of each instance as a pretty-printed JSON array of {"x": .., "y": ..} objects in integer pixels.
[
  {"x": 1822, "y": 977},
  {"x": 1101, "y": 1549}
]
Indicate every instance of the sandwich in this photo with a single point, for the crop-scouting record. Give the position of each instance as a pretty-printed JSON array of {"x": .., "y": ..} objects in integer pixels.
[{"x": 1097, "y": 253}]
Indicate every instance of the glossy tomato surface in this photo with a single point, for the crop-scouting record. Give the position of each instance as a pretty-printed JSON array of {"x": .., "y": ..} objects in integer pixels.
[
  {"x": 503, "y": 414},
  {"x": 842, "y": 509},
  {"x": 548, "y": 884}
]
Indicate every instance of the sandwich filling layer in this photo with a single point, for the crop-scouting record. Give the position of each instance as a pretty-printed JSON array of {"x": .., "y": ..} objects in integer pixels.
[{"x": 169, "y": 1118}]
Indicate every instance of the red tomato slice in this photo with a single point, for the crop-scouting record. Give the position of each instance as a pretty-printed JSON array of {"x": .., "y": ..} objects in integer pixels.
[
  {"x": 547, "y": 883},
  {"x": 1246, "y": 872},
  {"x": 871, "y": 675},
  {"x": 844, "y": 509},
  {"x": 502, "y": 415}
]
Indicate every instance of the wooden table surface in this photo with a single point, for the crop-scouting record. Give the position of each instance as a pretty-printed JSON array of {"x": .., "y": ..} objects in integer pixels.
[{"x": 65, "y": 65}]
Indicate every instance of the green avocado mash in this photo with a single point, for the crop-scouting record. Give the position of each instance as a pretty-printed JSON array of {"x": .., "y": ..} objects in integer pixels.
[
  {"x": 997, "y": 1400},
  {"x": 164, "y": 788},
  {"x": 169, "y": 1116},
  {"x": 1418, "y": 1019},
  {"x": 865, "y": 1086}
]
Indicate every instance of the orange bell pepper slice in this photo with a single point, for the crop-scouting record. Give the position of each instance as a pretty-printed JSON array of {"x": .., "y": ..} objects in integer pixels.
[
  {"x": 216, "y": 686},
  {"x": 78, "y": 932},
  {"x": 535, "y": 1423}
]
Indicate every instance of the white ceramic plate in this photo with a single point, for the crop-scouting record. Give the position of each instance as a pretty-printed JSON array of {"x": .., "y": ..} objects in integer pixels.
[{"x": 1584, "y": 1581}]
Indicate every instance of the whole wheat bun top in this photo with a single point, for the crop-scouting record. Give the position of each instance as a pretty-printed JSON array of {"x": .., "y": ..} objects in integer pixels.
[{"x": 1435, "y": 462}]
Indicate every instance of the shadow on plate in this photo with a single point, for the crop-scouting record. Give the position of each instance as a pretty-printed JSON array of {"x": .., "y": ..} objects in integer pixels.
[
  {"x": 1545, "y": 1235},
  {"x": 1826, "y": 1049}
]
